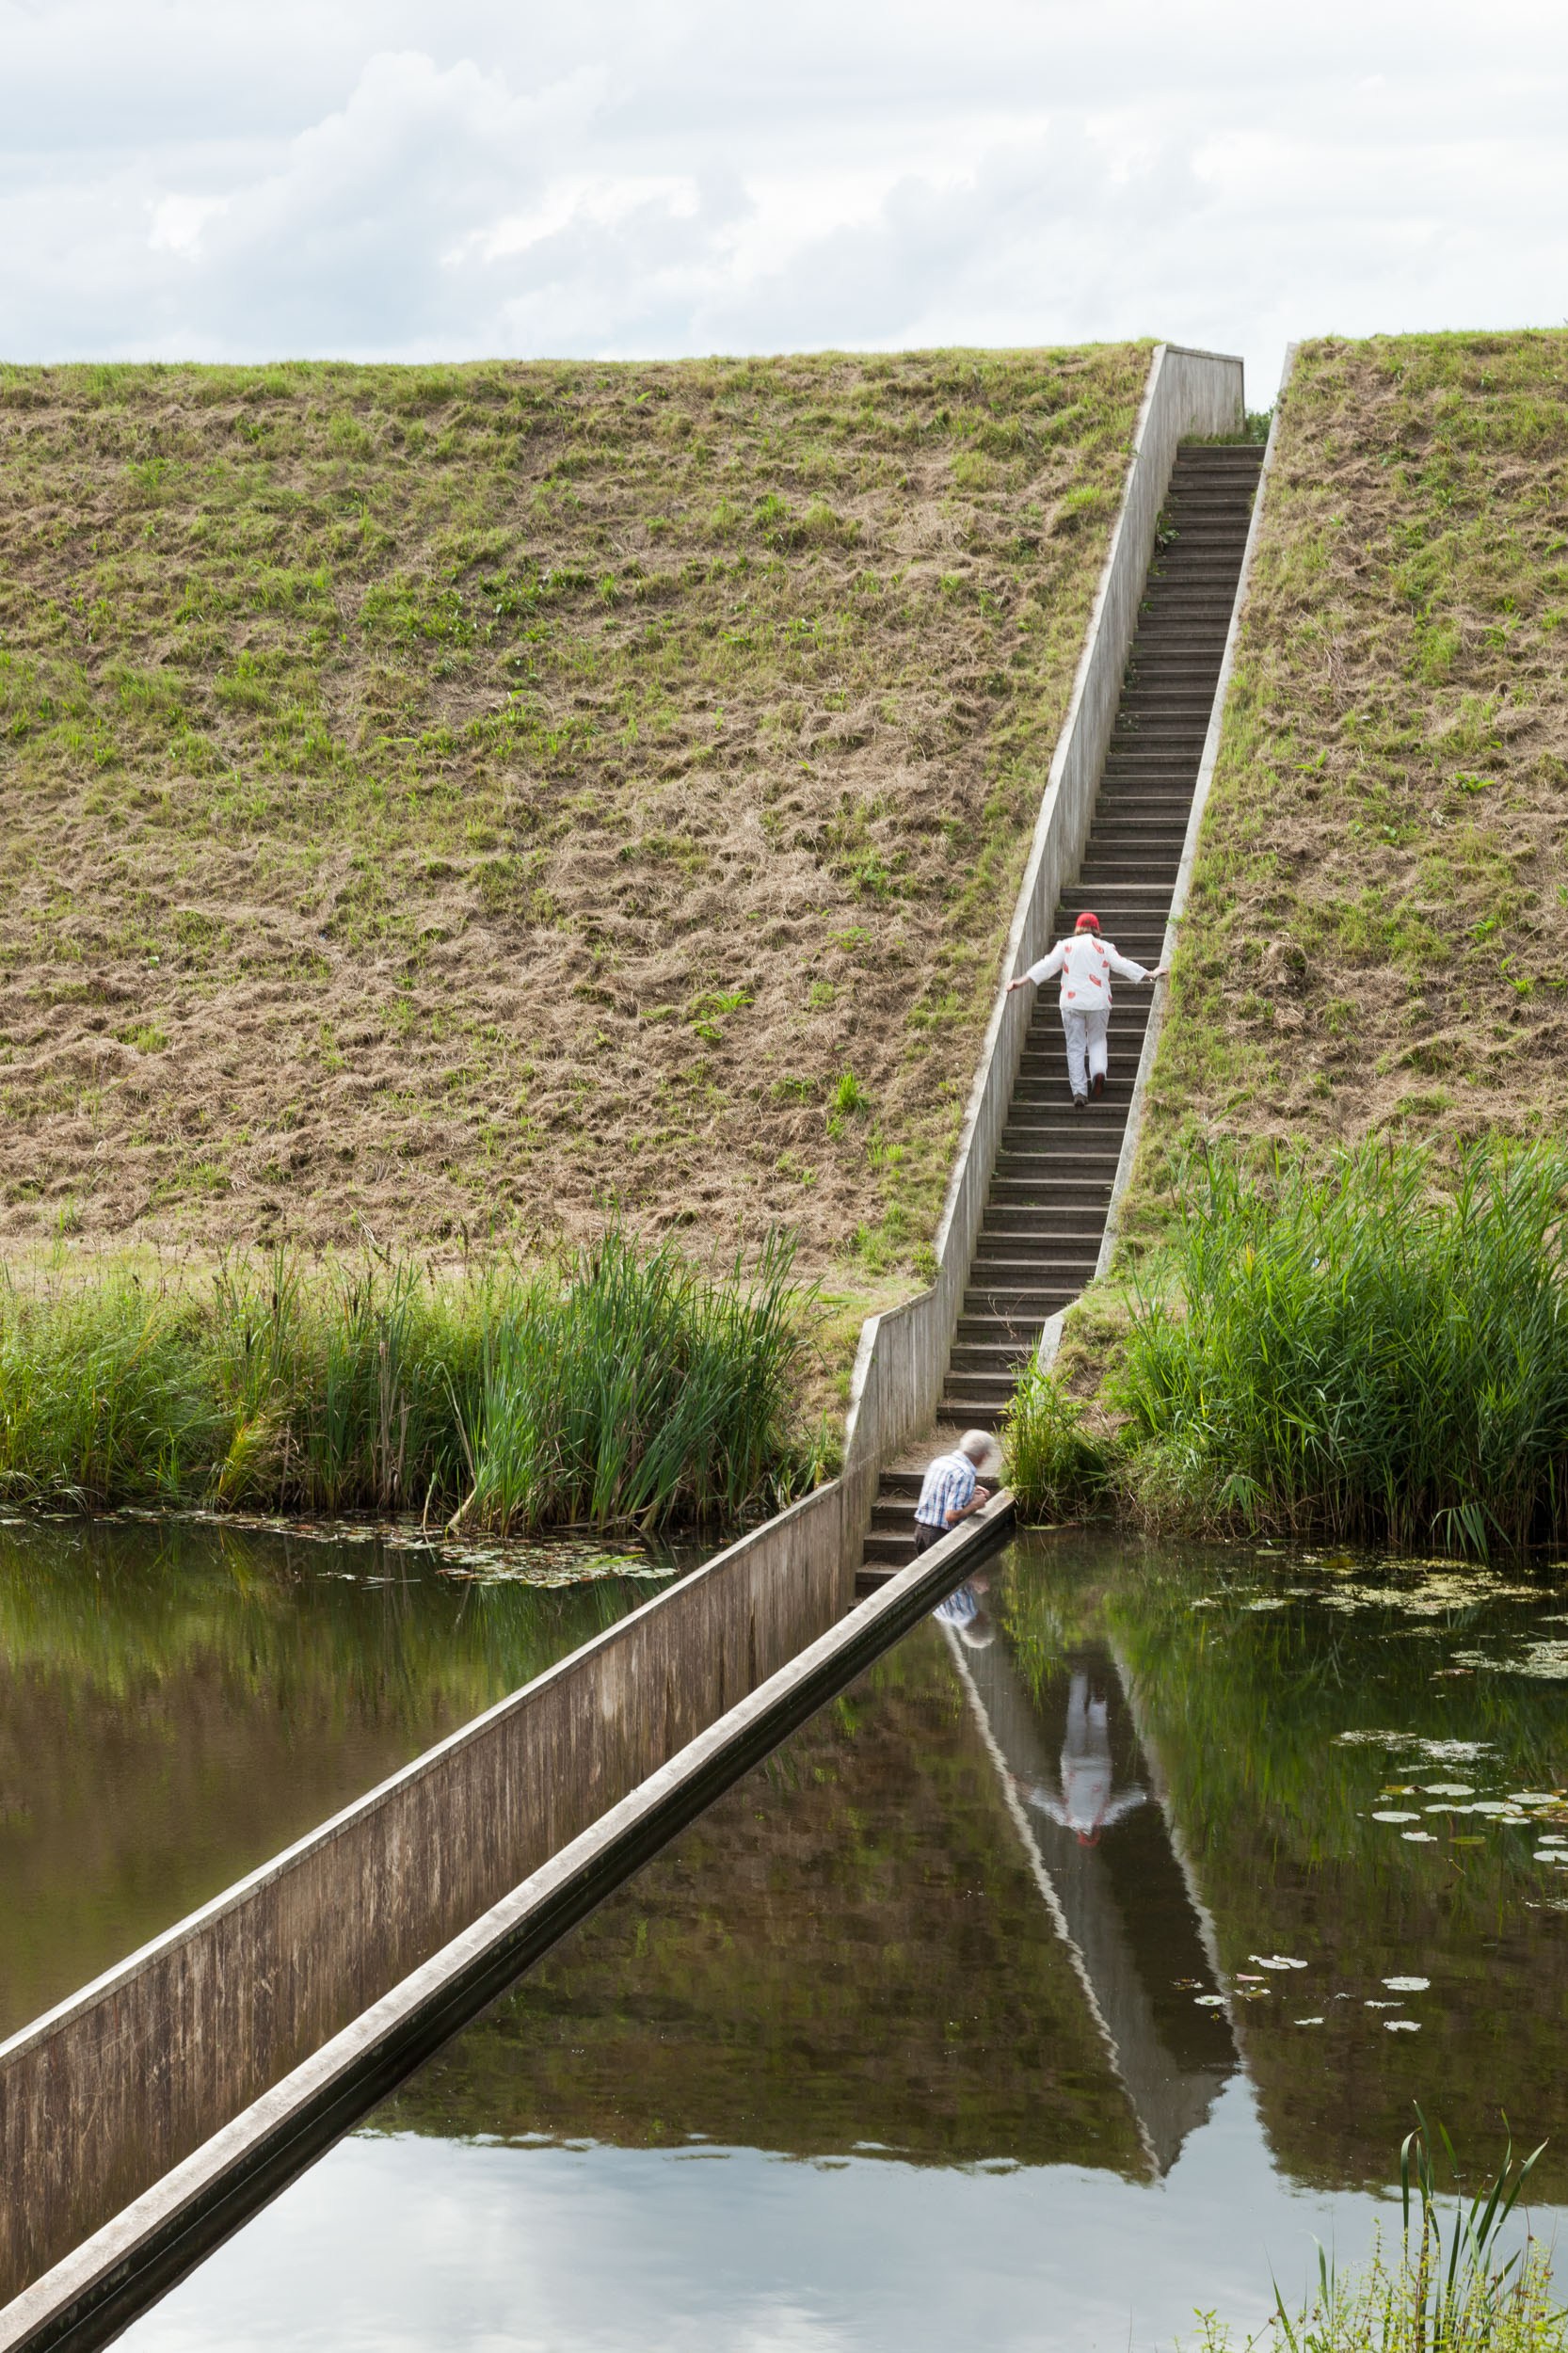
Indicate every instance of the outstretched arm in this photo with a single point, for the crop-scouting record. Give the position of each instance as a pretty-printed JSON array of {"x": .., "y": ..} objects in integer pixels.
[{"x": 1046, "y": 969}]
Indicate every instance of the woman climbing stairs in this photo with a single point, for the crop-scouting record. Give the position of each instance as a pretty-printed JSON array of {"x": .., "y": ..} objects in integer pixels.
[{"x": 1050, "y": 1190}]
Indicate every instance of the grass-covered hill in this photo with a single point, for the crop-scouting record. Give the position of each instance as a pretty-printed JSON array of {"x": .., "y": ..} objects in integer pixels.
[
  {"x": 1378, "y": 933},
  {"x": 439, "y": 799}
]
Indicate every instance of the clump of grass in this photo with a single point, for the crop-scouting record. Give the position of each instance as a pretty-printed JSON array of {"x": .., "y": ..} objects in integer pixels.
[
  {"x": 638, "y": 1391},
  {"x": 1377, "y": 1353},
  {"x": 1056, "y": 1468},
  {"x": 1452, "y": 2290},
  {"x": 620, "y": 1387}
]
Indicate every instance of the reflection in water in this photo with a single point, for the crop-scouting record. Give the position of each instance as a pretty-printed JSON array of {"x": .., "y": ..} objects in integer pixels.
[
  {"x": 921, "y": 2036},
  {"x": 179, "y": 1701},
  {"x": 1085, "y": 1799},
  {"x": 1120, "y": 1902}
]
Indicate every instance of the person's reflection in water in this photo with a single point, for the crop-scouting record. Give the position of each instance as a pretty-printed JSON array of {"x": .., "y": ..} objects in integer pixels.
[
  {"x": 965, "y": 1612},
  {"x": 1087, "y": 1802}
]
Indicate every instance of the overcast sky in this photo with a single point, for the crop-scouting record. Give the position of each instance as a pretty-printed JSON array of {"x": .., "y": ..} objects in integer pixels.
[{"x": 409, "y": 178}]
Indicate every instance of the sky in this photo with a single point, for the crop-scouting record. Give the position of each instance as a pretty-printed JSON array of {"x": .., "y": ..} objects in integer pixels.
[{"x": 409, "y": 180}]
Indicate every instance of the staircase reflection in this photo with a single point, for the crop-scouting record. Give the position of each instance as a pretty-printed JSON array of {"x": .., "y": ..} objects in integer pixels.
[{"x": 1079, "y": 1789}]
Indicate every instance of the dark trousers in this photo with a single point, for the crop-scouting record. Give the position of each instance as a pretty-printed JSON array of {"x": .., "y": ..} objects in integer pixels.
[{"x": 925, "y": 1536}]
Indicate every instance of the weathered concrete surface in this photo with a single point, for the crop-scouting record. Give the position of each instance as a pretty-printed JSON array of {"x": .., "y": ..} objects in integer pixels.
[
  {"x": 1132, "y": 1135},
  {"x": 96, "y": 2289},
  {"x": 104, "y": 2094},
  {"x": 903, "y": 1354}
]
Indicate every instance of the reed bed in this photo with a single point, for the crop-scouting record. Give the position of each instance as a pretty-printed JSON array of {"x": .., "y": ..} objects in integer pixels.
[
  {"x": 1056, "y": 1468},
  {"x": 1451, "y": 2289},
  {"x": 1378, "y": 1352},
  {"x": 618, "y": 1387}
]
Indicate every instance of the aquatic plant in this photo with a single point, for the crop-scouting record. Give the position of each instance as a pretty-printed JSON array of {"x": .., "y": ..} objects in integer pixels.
[
  {"x": 1055, "y": 1466},
  {"x": 1452, "y": 2293},
  {"x": 620, "y": 1385},
  {"x": 1376, "y": 1352},
  {"x": 638, "y": 1391}
]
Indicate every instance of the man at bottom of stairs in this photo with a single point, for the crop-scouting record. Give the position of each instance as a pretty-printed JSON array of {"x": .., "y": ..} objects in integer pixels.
[
  {"x": 1085, "y": 963},
  {"x": 949, "y": 1492}
]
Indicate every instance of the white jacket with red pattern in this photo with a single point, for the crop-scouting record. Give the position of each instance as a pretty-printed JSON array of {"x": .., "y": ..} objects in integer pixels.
[{"x": 1085, "y": 963}]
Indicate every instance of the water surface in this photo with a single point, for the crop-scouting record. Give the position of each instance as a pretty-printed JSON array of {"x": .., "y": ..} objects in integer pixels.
[
  {"x": 1035, "y": 1996},
  {"x": 179, "y": 1700}
]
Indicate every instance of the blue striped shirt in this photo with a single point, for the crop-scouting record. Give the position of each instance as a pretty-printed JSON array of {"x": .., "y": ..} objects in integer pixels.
[{"x": 947, "y": 1487}]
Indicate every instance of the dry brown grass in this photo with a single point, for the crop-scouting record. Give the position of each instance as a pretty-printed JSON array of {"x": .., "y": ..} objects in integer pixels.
[
  {"x": 439, "y": 800},
  {"x": 1378, "y": 934}
]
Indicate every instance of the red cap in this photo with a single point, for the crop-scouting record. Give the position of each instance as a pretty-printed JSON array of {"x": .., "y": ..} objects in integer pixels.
[{"x": 1087, "y": 922}]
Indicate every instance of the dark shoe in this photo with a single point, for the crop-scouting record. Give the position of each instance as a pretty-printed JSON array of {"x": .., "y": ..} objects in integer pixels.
[
  {"x": 1081, "y": 1102},
  {"x": 1097, "y": 1085}
]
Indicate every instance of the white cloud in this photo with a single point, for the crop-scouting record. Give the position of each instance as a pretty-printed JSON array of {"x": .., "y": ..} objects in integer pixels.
[
  {"x": 385, "y": 177},
  {"x": 178, "y": 220}
]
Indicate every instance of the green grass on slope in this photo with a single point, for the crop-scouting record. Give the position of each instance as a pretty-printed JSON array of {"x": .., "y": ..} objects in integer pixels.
[
  {"x": 1378, "y": 932},
  {"x": 440, "y": 797}
]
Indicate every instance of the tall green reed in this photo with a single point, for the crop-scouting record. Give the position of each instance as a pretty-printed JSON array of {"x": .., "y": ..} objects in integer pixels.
[
  {"x": 620, "y": 1387},
  {"x": 1450, "y": 2289},
  {"x": 1378, "y": 1352},
  {"x": 1056, "y": 1468},
  {"x": 639, "y": 1391}
]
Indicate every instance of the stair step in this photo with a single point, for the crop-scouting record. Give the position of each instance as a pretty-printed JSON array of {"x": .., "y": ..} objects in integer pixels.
[
  {"x": 1058, "y": 1258},
  {"x": 1045, "y": 1217}
]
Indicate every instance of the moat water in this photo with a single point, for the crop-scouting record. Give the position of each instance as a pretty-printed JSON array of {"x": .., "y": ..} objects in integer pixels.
[
  {"x": 1077, "y": 1970},
  {"x": 180, "y": 1699}
]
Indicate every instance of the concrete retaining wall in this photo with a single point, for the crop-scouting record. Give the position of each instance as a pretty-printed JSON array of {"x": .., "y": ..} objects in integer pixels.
[
  {"x": 1134, "y": 1134},
  {"x": 101, "y": 2285},
  {"x": 903, "y": 1354},
  {"x": 101, "y": 2095}
]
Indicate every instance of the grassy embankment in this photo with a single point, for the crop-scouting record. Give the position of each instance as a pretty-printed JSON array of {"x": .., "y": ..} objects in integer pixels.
[
  {"x": 1376, "y": 953},
  {"x": 439, "y": 799}
]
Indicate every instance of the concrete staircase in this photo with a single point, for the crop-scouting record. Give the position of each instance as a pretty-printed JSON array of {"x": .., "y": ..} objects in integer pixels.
[{"x": 1045, "y": 1218}]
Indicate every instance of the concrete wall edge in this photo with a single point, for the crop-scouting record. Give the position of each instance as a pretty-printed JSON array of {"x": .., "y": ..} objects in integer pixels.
[
  {"x": 421, "y": 1768},
  {"x": 1182, "y": 390},
  {"x": 93, "y": 2292},
  {"x": 1051, "y": 1340}
]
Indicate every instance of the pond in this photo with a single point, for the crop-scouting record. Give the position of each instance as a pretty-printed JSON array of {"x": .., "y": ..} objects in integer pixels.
[
  {"x": 180, "y": 1699},
  {"x": 1073, "y": 1970}
]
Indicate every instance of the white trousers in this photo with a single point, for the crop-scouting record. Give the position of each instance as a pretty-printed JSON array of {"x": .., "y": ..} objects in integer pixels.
[{"x": 1085, "y": 1039}]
